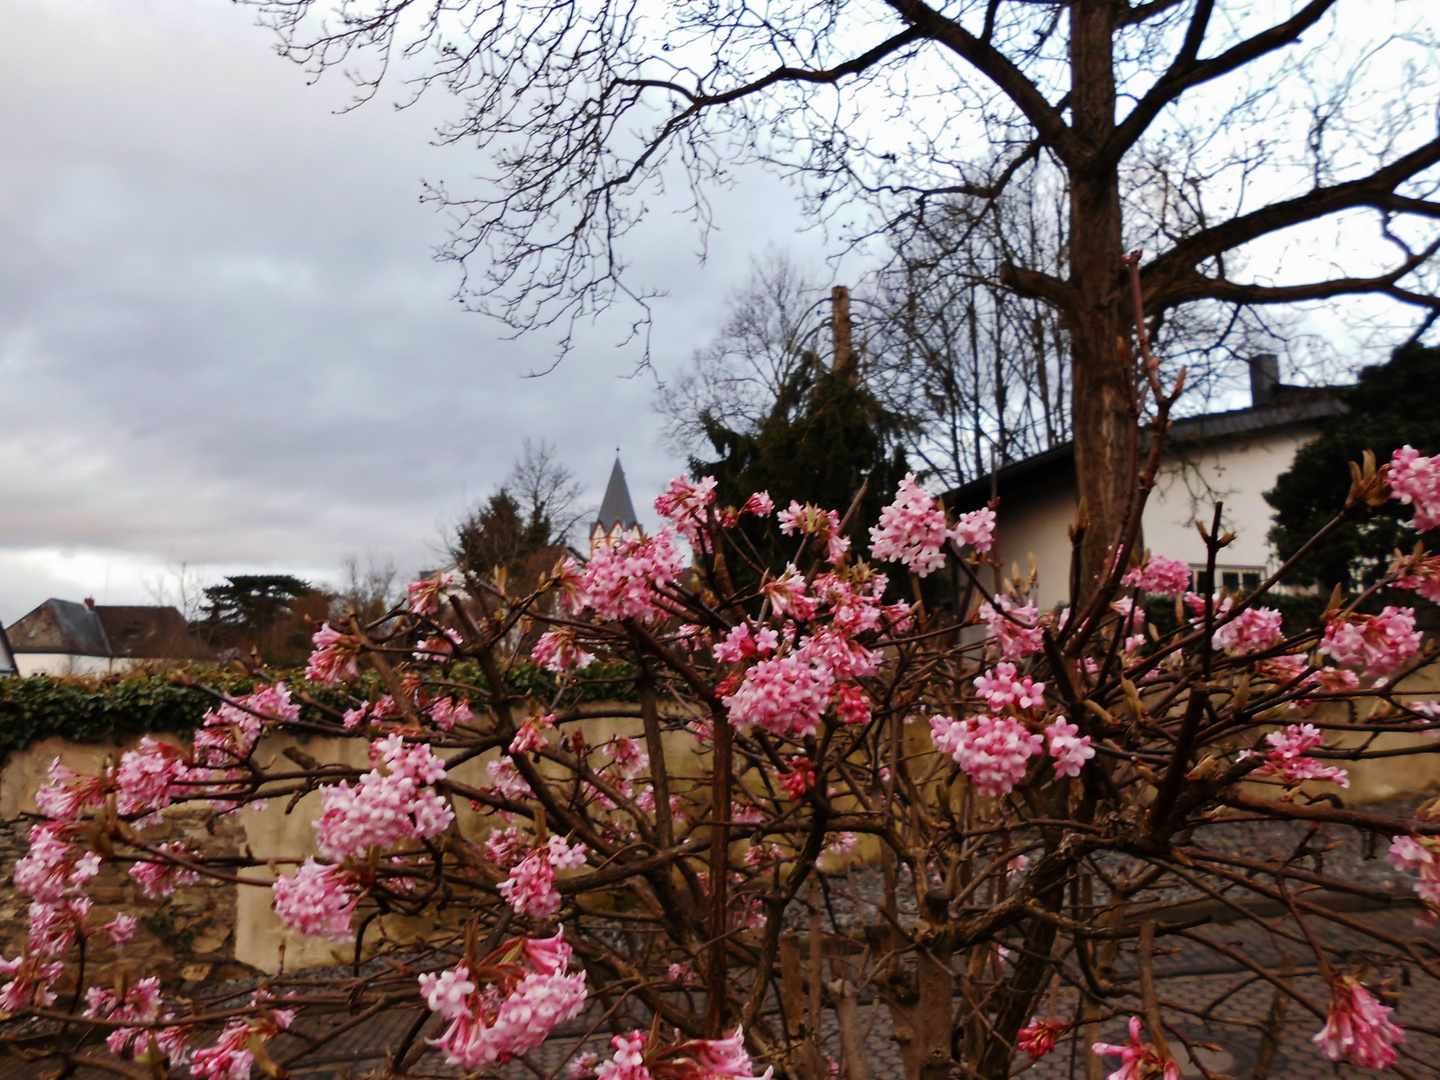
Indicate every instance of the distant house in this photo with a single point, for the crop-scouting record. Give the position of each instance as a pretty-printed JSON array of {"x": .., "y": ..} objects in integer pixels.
[
  {"x": 1233, "y": 457},
  {"x": 61, "y": 637},
  {"x": 7, "y": 658},
  {"x": 617, "y": 512}
]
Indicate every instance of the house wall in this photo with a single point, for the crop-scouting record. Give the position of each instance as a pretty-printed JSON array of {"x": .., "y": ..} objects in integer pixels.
[{"x": 67, "y": 664}]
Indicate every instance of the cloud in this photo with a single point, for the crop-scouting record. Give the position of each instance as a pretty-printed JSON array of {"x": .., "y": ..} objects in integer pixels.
[{"x": 222, "y": 338}]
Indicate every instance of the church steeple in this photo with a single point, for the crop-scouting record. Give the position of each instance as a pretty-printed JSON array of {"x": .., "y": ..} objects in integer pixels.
[{"x": 617, "y": 512}]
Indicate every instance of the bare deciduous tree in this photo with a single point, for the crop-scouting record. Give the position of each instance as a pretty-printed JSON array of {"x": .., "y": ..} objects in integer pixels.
[{"x": 1304, "y": 124}]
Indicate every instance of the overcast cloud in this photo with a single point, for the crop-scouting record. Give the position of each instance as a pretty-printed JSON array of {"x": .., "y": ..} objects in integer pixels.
[{"x": 222, "y": 340}]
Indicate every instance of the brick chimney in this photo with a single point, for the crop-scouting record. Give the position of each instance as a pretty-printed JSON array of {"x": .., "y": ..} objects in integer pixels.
[
  {"x": 1264, "y": 378},
  {"x": 90, "y": 602}
]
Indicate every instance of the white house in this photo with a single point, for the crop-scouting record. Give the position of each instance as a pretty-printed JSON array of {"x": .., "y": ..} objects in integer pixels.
[
  {"x": 61, "y": 637},
  {"x": 1232, "y": 457}
]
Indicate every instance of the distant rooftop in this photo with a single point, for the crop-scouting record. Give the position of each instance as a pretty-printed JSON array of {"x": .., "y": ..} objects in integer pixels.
[
  {"x": 616, "y": 508},
  {"x": 63, "y": 626}
]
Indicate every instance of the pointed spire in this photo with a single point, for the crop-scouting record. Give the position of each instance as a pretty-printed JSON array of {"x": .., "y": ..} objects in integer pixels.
[{"x": 616, "y": 508}]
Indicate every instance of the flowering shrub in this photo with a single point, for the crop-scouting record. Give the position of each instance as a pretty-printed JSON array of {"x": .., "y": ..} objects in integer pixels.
[{"x": 1020, "y": 796}]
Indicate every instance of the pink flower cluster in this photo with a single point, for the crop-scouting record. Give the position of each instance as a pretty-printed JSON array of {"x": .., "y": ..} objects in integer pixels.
[
  {"x": 557, "y": 650},
  {"x": 146, "y": 776},
  {"x": 1415, "y": 480},
  {"x": 336, "y": 656},
  {"x": 800, "y": 778},
  {"x": 994, "y": 751},
  {"x": 1253, "y": 630},
  {"x": 1002, "y": 689},
  {"x": 530, "y": 888},
  {"x": 1139, "y": 1060},
  {"x": 789, "y": 595},
  {"x": 1421, "y": 854},
  {"x": 425, "y": 596},
  {"x": 162, "y": 876},
  {"x": 318, "y": 901},
  {"x": 227, "y": 737},
  {"x": 741, "y": 645},
  {"x": 1358, "y": 1028},
  {"x": 785, "y": 695},
  {"x": 1037, "y": 1038},
  {"x": 1070, "y": 753},
  {"x": 912, "y": 530},
  {"x": 697, "y": 1059},
  {"x": 1015, "y": 626},
  {"x": 1381, "y": 644},
  {"x": 53, "y": 874},
  {"x": 686, "y": 504},
  {"x": 140, "y": 1004},
  {"x": 823, "y": 526},
  {"x": 509, "y": 1017},
  {"x": 505, "y": 778},
  {"x": 1159, "y": 575},
  {"x": 446, "y": 712},
  {"x": 386, "y": 807},
  {"x": 1424, "y": 578},
  {"x": 232, "y": 1055},
  {"x": 619, "y": 582},
  {"x": 1288, "y": 759}
]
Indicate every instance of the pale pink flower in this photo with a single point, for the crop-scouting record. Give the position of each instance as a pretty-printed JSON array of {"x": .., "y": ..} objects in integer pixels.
[
  {"x": 446, "y": 712},
  {"x": 722, "y": 1059},
  {"x": 506, "y": 779},
  {"x": 531, "y": 735},
  {"x": 821, "y": 525},
  {"x": 1002, "y": 688},
  {"x": 1358, "y": 1029},
  {"x": 1070, "y": 753},
  {"x": 740, "y": 644},
  {"x": 789, "y": 596},
  {"x": 146, "y": 776},
  {"x": 68, "y": 794},
  {"x": 336, "y": 656},
  {"x": 629, "y": 1060},
  {"x": 384, "y": 808},
  {"x": 161, "y": 877},
  {"x": 506, "y": 847},
  {"x": 993, "y": 751},
  {"x": 1160, "y": 575},
  {"x": 1288, "y": 759},
  {"x": 630, "y": 760},
  {"x": 426, "y": 596},
  {"x": 1381, "y": 644},
  {"x": 557, "y": 650},
  {"x": 912, "y": 530},
  {"x": 1254, "y": 630},
  {"x": 1139, "y": 1060},
  {"x": 784, "y": 695},
  {"x": 1421, "y": 854},
  {"x": 843, "y": 844},
  {"x": 1424, "y": 578},
  {"x": 976, "y": 529},
  {"x": 121, "y": 929},
  {"x": 1015, "y": 626},
  {"x": 760, "y": 504},
  {"x": 685, "y": 504},
  {"x": 1415, "y": 480},
  {"x": 621, "y": 582},
  {"x": 318, "y": 901},
  {"x": 530, "y": 887}
]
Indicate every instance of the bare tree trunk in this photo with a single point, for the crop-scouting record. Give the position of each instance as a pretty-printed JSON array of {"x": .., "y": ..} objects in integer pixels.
[{"x": 1099, "y": 326}]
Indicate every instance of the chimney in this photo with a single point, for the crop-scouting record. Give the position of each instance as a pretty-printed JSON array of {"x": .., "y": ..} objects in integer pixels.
[
  {"x": 1264, "y": 378},
  {"x": 90, "y": 602}
]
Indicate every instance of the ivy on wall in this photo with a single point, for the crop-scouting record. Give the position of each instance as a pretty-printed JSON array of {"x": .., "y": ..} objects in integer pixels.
[{"x": 118, "y": 708}]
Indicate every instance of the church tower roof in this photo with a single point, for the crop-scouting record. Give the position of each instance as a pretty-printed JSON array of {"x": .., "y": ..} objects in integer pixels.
[{"x": 616, "y": 508}]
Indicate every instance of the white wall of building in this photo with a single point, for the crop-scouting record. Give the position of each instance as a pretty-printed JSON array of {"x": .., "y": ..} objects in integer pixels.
[{"x": 67, "y": 664}]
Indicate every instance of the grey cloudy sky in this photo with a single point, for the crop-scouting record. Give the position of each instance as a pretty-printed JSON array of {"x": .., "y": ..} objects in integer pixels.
[{"x": 222, "y": 339}]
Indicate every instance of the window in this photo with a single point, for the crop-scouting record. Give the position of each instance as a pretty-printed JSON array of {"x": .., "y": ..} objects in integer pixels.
[{"x": 1233, "y": 579}]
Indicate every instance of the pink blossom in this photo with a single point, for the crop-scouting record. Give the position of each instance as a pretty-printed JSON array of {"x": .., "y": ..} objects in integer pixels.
[
  {"x": 68, "y": 794},
  {"x": 821, "y": 525},
  {"x": 161, "y": 877},
  {"x": 318, "y": 901},
  {"x": 993, "y": 751},
  {"x": 721, "y": 1059},
  {"x": 54, "y": 868},
  {"x": 384, "y": 808},
  {"x": 530, "y": 887},
  {"x": 621, "y": 582},
  {"x": 336, "y": 656},
  {"x": 851, "y": 705},
  {"x": 976, "y": 529},
  {"x": 784, "y": 695},
  {"x": 1016, "y": 627},
  {"x": 800, "y": 778},
  {"x": 789, "y": 596},
  {"x": 629, "y": 1060},
  {"x": 1070, "y": 753},
  {"x": 630, "y": 760},
  {"x": 1038, "y": 1037},
  {"x": 1288, "y": 761},
  {"x": 446, "y": 712},
  {"x": 740, "y": 644},
  {"x": 426, "y": 596},
  {"x": 1254, "y": 630},
  {"x": 1139, "y": 1060},
  {"x": 1358, "y": 1029},
  {"x": 842, "y": 845},
  {"x": 1421, "y": 854},
  {"x": 121, "y": 929},
  {"x": 1001, "y": 689},
  {"x": 686, "y": 504},
  {"x": 912, "y": 530},
  {"x": 146, "y": 776},
  {"x": 557, "y": 650},
  {"x": 506, "y": 847},
  {"x": 760, "y": 504},
  {"x": 531, "y": 735},
  {"x": 1380, "y": 643},
  {"x": 1424, "y": 578},
  {"x": 493, "y": 1023},
  {"x": 506, "y": 779},
  {"x": 1159, "y": 575},
  {"x": 1414, "y": 479}
]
